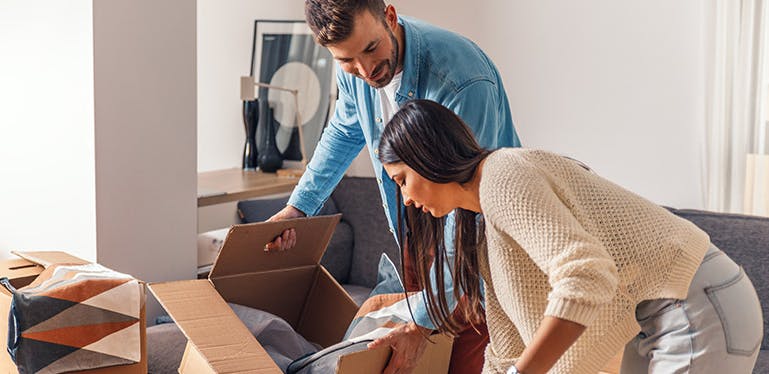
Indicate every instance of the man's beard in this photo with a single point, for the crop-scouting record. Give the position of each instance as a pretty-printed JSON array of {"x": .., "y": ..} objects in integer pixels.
[{"x": 391, "y": 64}]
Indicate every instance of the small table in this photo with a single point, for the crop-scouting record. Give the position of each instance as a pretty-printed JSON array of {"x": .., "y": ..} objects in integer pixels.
[{"x": 221, "y": 186}]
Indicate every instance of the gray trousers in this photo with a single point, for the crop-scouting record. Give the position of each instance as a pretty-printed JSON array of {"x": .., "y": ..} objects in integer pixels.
[{"x": 718, "y": 328}]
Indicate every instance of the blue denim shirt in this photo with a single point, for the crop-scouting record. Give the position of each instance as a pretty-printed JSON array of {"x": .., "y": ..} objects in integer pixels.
[{"x": 437, "y": 65}]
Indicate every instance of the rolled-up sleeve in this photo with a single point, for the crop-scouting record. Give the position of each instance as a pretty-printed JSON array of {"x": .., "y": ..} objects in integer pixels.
[
  {"x": 340, "y": 143},
  {"x": 582, "y": 274}
]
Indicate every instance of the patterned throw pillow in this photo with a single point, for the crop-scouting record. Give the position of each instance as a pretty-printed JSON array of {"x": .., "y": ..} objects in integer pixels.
[
  {"x": 386, "y": 307},
  {"x": 75, "y": 317}
]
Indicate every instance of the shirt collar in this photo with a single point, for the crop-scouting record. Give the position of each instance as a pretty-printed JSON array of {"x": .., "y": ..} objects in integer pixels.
[{"x": 412, "y": 57}]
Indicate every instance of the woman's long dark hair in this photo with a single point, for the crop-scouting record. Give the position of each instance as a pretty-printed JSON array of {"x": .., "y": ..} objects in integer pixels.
[{"x": 438, "y": 145}]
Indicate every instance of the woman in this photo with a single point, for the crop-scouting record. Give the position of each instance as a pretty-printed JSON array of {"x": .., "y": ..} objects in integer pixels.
[{"x": 574, "y": 267}]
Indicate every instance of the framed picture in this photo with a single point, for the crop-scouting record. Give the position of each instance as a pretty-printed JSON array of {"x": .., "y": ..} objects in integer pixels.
[{"x": 285, "y": 55}]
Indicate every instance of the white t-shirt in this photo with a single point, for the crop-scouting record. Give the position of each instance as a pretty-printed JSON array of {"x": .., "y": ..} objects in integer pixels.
[{"x": 387, "y": 98}]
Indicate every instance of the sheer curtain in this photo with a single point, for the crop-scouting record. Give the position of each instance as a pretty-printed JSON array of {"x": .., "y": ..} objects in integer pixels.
[{"x": 736, "y": 120}]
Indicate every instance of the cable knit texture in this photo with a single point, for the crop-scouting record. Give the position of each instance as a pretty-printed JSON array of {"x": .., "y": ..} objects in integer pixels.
[{"x": 563, "y": 242}]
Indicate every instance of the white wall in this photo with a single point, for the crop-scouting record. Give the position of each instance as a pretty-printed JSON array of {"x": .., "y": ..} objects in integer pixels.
[
  {"x": 98, "y": 121},
  {"x": 145, "y": 115},
  {"x": 47, "y": 188},
  {"x": 617, "y": 84},
  {"x": 225, "y": 34}
]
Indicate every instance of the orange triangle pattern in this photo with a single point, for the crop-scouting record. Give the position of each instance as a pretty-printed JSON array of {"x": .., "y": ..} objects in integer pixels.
[
  {"x": 79, "y": 336},
  {"x": 85, "y": 289}
]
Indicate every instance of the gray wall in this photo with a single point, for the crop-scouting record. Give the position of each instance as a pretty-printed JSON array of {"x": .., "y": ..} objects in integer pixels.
[{"x": 146, "y": 175}]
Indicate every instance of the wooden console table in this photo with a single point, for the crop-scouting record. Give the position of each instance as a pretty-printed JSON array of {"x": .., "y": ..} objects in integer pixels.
[{"x": 221, "y": 186}]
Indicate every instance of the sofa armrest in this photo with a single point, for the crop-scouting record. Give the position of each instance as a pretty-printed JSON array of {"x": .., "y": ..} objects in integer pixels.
[{"x": 260, "y": 210}]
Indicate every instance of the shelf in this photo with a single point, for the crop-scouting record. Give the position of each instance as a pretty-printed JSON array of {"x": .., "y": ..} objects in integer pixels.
[{"x": 227, "y": 185}]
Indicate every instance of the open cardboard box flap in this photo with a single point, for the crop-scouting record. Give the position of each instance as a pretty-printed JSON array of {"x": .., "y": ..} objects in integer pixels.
[
  {"x": 21, "y": 271},
  {"x": 243, "y": 249},
  {"x": 214, "y": 329},
  {"x": 48, "y": 258}
]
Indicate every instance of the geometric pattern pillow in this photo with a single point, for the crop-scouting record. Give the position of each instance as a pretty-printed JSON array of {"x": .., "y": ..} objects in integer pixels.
[{"x": 75, "y": 317}]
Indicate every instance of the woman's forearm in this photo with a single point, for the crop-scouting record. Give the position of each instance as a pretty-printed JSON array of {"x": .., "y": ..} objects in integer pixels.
[{"x": 553, "y": 337}]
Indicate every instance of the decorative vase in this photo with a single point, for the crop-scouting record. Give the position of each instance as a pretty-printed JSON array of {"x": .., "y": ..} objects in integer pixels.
[
  {"x": 269, "y": 159},
  {"x": 250, "y": 118},
  {"x": 293, "y": 150}
]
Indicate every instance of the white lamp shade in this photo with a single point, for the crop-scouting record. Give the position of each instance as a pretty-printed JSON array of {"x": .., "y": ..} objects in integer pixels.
[{"x": 247, "y": 88}]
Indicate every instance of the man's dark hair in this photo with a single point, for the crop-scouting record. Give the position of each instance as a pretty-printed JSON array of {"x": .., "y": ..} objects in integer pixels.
[{"x": 332, "y": 20}]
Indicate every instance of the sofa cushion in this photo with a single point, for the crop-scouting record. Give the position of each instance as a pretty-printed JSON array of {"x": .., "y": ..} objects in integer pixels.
[
  {"x": 259, "y": 210},
  {"x": 165, "y": 348},
  {"x": 746, "y": 240},
  {"x": 359, "y": 202},
  {"x": 209, "y": 244},
  {"x": 762, "y": 365},
  {"x": 338, "y": 256},
  {"x": 359, "y": 294}
]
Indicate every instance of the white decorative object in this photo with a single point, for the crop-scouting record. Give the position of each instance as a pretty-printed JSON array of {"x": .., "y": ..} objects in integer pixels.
[
  {"x": 757, "y": 185},
  {"x": 295, "y": 76},
  {"x": 285, "y": 55}
]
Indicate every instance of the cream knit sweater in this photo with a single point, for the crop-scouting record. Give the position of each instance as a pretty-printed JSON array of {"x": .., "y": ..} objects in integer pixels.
[{"x": 562, "y": 241}]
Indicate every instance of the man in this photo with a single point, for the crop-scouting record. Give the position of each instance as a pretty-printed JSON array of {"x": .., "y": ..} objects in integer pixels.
[{"x": 384, "y": 61}]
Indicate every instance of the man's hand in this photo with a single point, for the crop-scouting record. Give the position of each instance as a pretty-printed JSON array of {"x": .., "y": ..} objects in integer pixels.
[
  {"x": 287, "y": 239},
  {"x": 408, "y": 343}
]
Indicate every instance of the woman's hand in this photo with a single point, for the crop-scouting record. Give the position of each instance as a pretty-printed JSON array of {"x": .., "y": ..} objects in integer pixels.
[{"x": 408, "y": 344}]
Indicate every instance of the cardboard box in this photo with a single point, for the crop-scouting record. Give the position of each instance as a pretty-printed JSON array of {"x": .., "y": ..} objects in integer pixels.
[
  {"x": 290, "y": 284},
  {"x": 21, "y": 272}
]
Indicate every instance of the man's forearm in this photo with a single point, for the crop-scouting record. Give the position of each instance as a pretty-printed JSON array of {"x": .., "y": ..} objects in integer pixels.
[{"x": 324, "y": 171}]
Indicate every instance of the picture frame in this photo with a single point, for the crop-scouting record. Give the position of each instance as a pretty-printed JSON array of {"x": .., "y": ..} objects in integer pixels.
[{"x": 285, "y": 54}]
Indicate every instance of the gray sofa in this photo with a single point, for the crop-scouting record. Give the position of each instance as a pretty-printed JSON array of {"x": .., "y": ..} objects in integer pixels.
[
  {"x": 362, "y": 235},
  {"x": 746, "y": 240}
]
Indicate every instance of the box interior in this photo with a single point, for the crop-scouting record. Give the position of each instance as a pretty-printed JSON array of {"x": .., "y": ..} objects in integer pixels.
[{"x": 307, "y": 297}]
